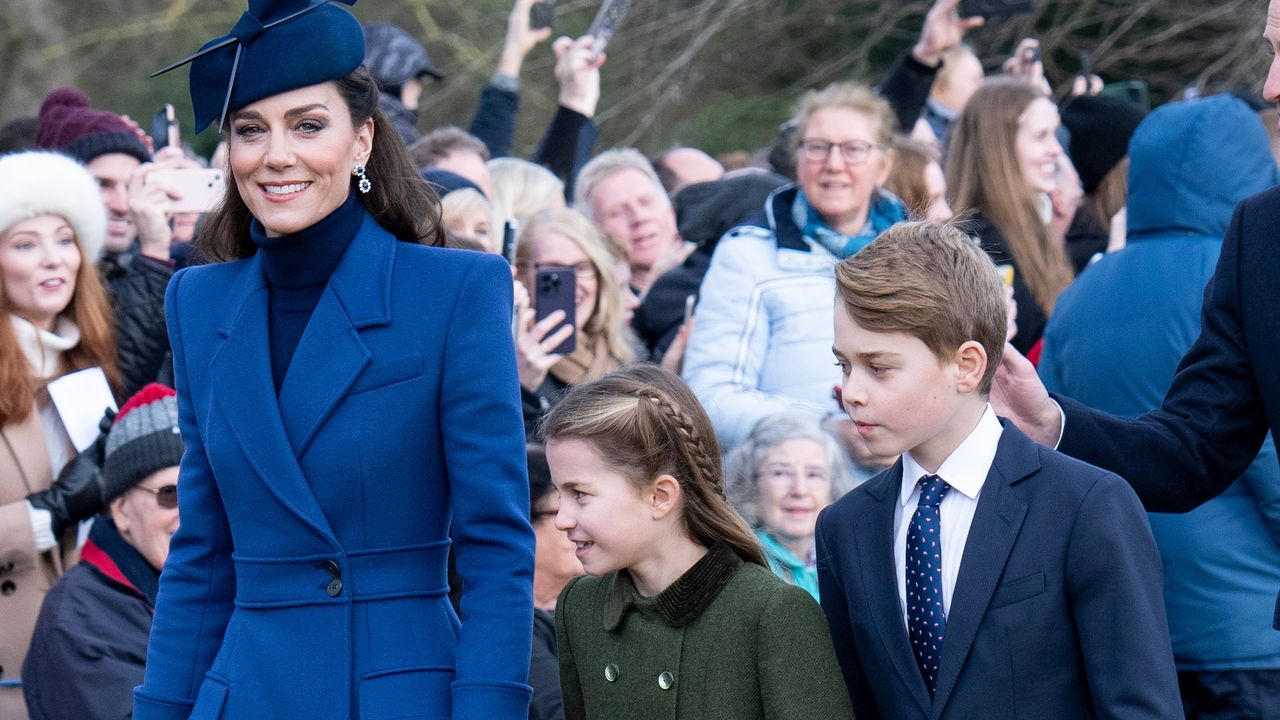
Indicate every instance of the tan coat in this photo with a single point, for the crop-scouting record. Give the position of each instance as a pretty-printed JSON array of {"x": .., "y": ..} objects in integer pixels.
[{"x": 25, "y": 575}]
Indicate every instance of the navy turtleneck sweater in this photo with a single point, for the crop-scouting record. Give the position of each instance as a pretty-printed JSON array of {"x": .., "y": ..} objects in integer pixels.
[{"x": 298, "y": 268}]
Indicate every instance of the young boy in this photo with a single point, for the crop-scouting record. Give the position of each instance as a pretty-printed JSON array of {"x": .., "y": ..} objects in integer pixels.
[{"x": 982, "y": 576}]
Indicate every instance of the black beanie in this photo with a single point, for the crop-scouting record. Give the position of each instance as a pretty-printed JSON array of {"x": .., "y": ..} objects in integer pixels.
[
  {"x": 1100, "y": 131},
  {"x": 144, "y": 438}
]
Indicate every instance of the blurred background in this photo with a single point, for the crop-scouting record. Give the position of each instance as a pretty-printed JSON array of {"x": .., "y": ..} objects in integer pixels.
[{"x": 715, "y": 74}]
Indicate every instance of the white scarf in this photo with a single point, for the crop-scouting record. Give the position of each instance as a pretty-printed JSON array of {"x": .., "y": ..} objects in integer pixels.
[{"x": 43, "y": 348}]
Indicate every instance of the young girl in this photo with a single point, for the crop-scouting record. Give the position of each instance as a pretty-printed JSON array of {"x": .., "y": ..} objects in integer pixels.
[{"x": 679, "y": 618}]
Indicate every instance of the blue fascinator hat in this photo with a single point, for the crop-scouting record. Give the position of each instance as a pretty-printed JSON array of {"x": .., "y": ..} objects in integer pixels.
[{"x": 275, "y": 46}]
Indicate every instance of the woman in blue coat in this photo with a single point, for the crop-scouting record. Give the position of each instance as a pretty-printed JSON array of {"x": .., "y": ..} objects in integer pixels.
[{"x": 348, "y": 400}]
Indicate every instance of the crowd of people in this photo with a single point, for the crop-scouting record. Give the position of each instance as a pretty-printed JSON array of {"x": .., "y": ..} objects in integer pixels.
[{"x": 744, "y": 434}]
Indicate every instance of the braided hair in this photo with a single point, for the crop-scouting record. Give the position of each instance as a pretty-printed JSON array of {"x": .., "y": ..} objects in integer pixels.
[{"x": 648, "y": 423}]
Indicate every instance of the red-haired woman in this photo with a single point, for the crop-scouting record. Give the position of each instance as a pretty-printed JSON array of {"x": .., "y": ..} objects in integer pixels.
[{"x": 52, "y": 224}]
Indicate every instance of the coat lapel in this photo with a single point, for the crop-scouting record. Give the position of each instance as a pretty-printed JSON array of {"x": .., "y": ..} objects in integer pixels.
[
  {"x": 996, "y": 523},
  {"x": 243, "y": 388},
  {"x": 331, "y": 355},
  {"x": 874, "y": 533}
]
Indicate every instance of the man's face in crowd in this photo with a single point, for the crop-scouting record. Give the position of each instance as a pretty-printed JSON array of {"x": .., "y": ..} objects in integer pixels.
[
  {"x": 470, "y": 166},
  {"x": 635, "y": 211},
  {"x": 112, "y": 171},
  {"x": 1271, "y": 90}
]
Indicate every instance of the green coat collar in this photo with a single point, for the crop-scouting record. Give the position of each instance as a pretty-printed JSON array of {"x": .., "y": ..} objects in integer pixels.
[{"x": 682, "y": 602}]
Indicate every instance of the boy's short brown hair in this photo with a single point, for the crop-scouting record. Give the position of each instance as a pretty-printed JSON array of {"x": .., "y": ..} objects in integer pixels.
[{"x": 929, "y": 281}]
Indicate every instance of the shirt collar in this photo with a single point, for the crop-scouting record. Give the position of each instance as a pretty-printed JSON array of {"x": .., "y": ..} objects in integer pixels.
[{"x": 966, "y": 468}]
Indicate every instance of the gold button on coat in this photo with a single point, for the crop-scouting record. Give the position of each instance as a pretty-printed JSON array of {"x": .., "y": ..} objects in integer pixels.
[
  {"x": 666, "y": 680},
  {"x": 611, "y": 672}
]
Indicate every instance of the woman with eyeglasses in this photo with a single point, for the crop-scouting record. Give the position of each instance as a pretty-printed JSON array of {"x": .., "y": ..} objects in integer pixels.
[
  {"x": 89, "y": 646},
  {"x": 1002, "y": 162},
  {"x": 557, "y": 237},
  {"x": 761, "y": 342},
  {"x": 52, "y": 228}
]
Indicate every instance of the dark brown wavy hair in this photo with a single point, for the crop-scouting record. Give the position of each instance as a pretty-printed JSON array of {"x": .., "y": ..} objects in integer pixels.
[
  {"x": 648, "y": 423},
  {"x": 400, "y": 200}
]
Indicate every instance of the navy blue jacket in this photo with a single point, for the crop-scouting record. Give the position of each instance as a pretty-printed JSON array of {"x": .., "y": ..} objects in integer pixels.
[
  {"x": 1056, "y": 611},
  {"x": 1114, "y": 343},
  {"x": 308, "y": 578}
]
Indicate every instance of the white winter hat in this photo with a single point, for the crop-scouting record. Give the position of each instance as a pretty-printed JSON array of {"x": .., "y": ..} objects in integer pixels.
[{"x": 43, "y": 183}]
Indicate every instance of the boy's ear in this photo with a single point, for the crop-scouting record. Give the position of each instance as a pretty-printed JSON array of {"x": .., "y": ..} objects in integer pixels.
[
  {"x": 971, "y": 363},
  {"x": 663, "y": 496}
]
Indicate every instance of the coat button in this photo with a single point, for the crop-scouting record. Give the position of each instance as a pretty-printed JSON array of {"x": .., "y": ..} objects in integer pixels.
[
  {"x": 8, "y": 588},
  {"x": 334, "y": 588},
  {"x": 666, "y": 680},
  {"x": 611, "y": 672},
  {"x": 332, "y": 568}
]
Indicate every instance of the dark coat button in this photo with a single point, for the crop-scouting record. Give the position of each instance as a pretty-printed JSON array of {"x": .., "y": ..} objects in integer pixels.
[
  {"x": 8, "y": 588},
  {"x": 334, "y": 588},
  {"x": 332, "y": 568}
]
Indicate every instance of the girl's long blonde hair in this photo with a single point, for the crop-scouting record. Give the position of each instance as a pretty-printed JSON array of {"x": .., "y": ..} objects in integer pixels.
[
  {"x": 648, "y": 423},
  {"x": 983, "y": 174}
]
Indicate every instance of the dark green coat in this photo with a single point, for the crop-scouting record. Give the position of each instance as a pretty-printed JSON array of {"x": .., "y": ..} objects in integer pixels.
[{"x": 728, "y": 640}]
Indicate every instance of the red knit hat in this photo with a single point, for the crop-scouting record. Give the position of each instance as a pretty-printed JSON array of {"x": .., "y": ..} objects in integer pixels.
[
  {"x": 69, "y": 124},
  {"x": 144, "y": 438}
]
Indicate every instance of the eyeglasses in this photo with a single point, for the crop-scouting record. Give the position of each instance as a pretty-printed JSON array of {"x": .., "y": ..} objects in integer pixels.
[
  {"x": 854, "y": 152},
  {"x": 166, "y": 495},
  {"x": 584, "y": 271}
]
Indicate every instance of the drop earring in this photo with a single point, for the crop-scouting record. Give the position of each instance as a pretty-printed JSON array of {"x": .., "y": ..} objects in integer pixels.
[{"x": 363, "y": 184}]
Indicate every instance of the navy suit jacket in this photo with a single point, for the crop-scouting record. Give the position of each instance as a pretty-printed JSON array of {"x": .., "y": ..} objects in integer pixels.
[
  {"x": 1057, "y": 611},
  {"x": 308, "y": 578}
]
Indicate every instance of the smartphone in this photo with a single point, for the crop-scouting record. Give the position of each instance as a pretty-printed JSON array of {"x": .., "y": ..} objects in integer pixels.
[
  {"x": 542, "y": 14},
  {"x": 689, "y": 302},
  {"x": 1033, "y": 54},
  {"x": 199, "y": 189},
  {"x": 509, "y": 229},
  {"x": 164, "y": 128},
  {"x": 993, "y": 8},
  {"x": 606, "y": 23},
  {"x": 1086, "y": 67},
  {"x": 553, "y": 289}
]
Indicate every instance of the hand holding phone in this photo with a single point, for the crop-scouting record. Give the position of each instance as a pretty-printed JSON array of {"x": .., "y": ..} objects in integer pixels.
[{"x": 542, "y": 14}]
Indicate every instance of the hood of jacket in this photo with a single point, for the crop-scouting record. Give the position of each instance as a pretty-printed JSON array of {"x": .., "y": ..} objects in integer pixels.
[{"x": 1191, "y": 163}]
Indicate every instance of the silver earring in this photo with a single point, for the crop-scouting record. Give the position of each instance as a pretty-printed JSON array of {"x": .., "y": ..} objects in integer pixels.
[{"x": 364, "y": 184}]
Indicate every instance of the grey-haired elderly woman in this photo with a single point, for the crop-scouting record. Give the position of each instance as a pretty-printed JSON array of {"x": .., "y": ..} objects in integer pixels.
[{"x": 786, "y": 471}]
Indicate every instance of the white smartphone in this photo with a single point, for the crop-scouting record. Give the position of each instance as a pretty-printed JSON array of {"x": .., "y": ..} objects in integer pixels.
[{"x": 199, "y": 189}]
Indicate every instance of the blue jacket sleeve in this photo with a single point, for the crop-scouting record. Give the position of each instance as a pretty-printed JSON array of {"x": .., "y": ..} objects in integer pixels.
[
  {"x": 197, "y": 587},
  {"x": 484, "y": 457},
  {"x": 1116, "y": 596}
]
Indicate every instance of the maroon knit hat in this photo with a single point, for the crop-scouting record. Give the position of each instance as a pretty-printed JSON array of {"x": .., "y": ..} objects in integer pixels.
[{"x": 69, "y": 124}]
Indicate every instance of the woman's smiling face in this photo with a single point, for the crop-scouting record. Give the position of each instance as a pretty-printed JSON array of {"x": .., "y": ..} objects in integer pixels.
[{"x": 292, "y": 156}]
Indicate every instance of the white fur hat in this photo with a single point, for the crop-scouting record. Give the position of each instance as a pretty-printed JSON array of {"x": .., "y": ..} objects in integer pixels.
[{"x": 44, "y": 183}]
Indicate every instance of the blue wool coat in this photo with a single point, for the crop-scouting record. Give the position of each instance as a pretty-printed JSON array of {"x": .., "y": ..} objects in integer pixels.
[{"x": 308, "y": 579}]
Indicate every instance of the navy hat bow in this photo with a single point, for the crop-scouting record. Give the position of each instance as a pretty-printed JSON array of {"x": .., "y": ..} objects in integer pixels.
[{"x": 275, "y": 46}]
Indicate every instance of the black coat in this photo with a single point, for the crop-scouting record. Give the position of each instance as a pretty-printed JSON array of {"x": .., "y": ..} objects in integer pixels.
[
  {"x": 90, "y": 642},
  {"x": 137, "y": 296},
  {"x": 1031, "y": 319},
  {"x": 544, "y": 670}
]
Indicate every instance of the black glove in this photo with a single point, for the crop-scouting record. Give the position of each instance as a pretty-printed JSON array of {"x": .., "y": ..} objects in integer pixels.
[{"x": 77, "y": 493}]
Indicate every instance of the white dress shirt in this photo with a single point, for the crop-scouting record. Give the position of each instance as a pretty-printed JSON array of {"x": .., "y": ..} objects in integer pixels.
[{"x": 965, "y": 470}]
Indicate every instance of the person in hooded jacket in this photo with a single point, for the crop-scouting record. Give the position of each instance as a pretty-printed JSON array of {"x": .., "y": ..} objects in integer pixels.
[{"x": 1114, "y": 343}]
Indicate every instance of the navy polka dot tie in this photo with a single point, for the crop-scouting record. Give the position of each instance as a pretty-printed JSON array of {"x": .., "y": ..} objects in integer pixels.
[{"x": 926, "y": 621}]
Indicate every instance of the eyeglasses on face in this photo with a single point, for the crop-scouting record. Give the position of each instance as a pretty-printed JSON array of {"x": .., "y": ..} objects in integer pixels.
[
  {"x": 166, "y": 495},
  {"x": 855, "y": 152},
  {"x": 583, "y": 269}
]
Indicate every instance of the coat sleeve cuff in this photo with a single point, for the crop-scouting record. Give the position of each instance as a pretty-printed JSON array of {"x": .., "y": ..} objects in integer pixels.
[
  {"x": 151, "y": 708},
  {"x": 492, "y": 700}
]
